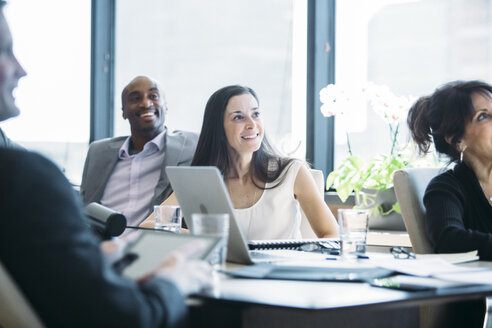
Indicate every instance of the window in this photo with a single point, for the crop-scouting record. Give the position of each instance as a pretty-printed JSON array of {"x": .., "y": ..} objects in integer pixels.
[
  {"x": 410, "y": 46},
  {"x": 52, "y": 42},
  {"x": 194, "y": 48}
]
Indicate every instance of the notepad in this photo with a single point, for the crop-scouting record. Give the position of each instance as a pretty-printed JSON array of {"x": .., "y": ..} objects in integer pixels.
[{"x": 326, "y": 243}]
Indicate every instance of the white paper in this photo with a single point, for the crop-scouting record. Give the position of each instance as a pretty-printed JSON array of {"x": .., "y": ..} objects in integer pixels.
[
  {"x": 452, "y": 257},
  {"x": 425, "y": 267},
  {"x": 478, "y": 277}
]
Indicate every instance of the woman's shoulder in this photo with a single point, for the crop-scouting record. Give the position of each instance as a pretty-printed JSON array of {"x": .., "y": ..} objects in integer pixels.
[
  {"x": 446, "y": 177},
  {"x": 447, "y": 182},
  {"x": 287, "y": 165}
]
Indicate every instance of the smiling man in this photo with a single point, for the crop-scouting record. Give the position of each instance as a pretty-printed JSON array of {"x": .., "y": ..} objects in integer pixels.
[{"x": 127, "y": 174}]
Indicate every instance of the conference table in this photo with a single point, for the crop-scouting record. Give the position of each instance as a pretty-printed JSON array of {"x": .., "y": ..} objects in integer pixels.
[{"x": 242, "y": 302}]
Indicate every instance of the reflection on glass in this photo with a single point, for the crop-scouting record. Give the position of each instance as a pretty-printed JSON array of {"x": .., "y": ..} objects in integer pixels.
[
  {"x": 52, "y": 42},
  {"x": 196, "y": 47},
  {"x": 411, "y": 46}
]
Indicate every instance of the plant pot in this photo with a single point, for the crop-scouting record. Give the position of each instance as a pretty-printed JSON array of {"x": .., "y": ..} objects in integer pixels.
[{"x": 371, "y": 199}]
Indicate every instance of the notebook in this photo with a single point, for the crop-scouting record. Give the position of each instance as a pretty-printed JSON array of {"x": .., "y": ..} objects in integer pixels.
[
  {"x": 328, "y": 244},
  {"x": 201, "y": 189}
]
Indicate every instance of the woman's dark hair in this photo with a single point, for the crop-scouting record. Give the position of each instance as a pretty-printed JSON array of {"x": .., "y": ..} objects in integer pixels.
[
  {"x": 213, "y": 149},
  {"x": 444, "y": 114}
]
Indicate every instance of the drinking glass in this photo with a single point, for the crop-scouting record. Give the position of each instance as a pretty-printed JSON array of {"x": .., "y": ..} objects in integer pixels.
[
  {"x": 216, "y": 225},
  {"x": 167, "y": 217},
  {"x": 353, "y": 232}
]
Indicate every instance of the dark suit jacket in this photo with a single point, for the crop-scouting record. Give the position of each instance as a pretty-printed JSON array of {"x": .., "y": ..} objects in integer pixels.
[
  {"x": 48, "y": 250},
  {"x": 103, "y": 155}
]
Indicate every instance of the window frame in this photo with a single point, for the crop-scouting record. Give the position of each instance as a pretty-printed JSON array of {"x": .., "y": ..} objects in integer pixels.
[
  {"x": 320, "y": 72},
  {"x": 102, "y": 69},
  {"x": 320, "y": 137}
]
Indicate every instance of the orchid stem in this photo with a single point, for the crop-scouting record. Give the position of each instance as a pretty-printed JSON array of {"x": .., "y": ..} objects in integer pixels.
[
  {"x": 348, "y": 143},
  {"x": 394, "y": 135}
]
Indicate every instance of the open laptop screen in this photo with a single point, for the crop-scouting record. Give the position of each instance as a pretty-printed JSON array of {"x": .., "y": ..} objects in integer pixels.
[{"x": 201, "y": 189}]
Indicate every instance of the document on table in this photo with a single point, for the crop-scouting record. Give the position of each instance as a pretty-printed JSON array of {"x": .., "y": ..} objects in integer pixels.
[
  {"x": 452, "y": 257},
  {"x": 430, "y": 267},
  {"x": 477, "y": 277}
]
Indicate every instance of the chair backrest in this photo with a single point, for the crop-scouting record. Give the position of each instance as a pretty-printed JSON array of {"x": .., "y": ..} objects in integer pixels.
[
  {"x": 306, "y": 230},
  {"x": 15, "y": 310},
  {"x": 410, "y": 185}
]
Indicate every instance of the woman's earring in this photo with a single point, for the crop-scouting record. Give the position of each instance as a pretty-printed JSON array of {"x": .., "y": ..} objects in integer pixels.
[{"x": 461, "y": 154}]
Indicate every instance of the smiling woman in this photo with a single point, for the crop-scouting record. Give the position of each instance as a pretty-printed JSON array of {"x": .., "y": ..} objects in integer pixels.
[
  {"x": 267, "y": 190},
  {"x": 243, "y": 124}
]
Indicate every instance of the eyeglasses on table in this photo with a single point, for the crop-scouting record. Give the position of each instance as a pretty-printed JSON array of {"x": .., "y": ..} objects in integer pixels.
[{"x": 401, "y": 253}]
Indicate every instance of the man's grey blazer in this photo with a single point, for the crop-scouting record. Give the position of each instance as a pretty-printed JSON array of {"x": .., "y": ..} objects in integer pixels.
[{"x": 103, "y": 155}]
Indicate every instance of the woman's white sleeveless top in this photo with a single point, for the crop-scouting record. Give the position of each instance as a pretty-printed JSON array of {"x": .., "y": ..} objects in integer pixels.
[{"x": 277, "y": 214}]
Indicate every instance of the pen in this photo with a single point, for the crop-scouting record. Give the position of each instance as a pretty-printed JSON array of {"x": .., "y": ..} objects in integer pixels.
[
  {"x": 360, "y": 256},
  {"x": 330, "y": 258}
]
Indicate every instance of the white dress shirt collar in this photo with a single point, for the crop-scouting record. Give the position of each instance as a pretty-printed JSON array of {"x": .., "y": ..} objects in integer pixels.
[{"x": 156, "y": 144}]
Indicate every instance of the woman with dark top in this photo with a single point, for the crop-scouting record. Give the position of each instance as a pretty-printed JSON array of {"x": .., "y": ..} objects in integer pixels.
[{"x": 457, "y": 118}]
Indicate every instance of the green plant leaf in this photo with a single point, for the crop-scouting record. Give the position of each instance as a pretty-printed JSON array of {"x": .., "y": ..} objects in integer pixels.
[
  {"x": 354, "y": 174},
  {"x": 346, "y": 178},
  {"x": 396, "y": 207}
]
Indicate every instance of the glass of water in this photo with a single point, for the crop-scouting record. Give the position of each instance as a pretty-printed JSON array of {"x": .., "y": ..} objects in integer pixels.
[
  {"x": 353, "y": 232},
  {"x": 216, "y": 225},
  {"x": 167, "y": 217}
]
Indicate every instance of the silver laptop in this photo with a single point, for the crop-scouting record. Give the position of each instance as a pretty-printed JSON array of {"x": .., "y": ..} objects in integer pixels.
[{"x": 201, "y": 189}]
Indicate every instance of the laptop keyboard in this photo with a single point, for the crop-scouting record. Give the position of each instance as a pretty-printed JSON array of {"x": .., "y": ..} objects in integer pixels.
[{"x": 283, "y": 255}]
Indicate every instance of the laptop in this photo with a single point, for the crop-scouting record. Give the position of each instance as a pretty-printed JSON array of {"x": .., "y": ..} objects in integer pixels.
[{"x": 201, "y": 189}]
